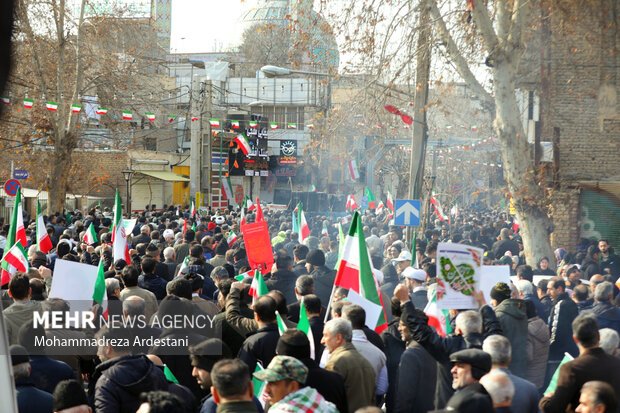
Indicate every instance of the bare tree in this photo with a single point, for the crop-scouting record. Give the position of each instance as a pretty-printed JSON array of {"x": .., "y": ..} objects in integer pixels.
[{"x": 67, "y": 57}]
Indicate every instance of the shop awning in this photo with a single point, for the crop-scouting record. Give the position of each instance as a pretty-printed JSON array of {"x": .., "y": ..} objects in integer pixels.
[{"x": 165, "y": 176}]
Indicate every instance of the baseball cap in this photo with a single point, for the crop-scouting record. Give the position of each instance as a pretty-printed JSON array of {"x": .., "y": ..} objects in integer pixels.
[
  {"x": 403, "y": 256},
  {"x": 414, "y": 273},
  {"x": 283, "y": 367}
]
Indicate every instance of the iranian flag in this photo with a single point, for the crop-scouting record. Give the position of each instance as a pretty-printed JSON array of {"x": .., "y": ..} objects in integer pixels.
[
  {"x": 6, "y": 100},
  {"x": 53, "y": 106},
  {"x": 234, "y": 124},
  {"x": 184, "y": 264},
  {"x": 353, "y": 170},
  {"x": 380, "y": 208},
  {"x": 515, "y": 224},
  {"x": 280, "y": 322},
  {"x": 438, "y": 319},
  {"x": 91, "y": 235},
  {"x": 351, "y": 204},
  {"x": 258, "y": 286},
  {"x": 28, "y": 103},
  {"x": 192, "y": 210},
  {"x": 356, "y": 275},
  {"x": 215, "y": 123},
  {"x": 292, "y": 126},
  {"x": 171, "y": 118},
  {"x": 304, "y": 229},
  {"x": 99, "y": 293},
  {"x": 16, "y": 258},
  {"x": 150, "y": 116},
  {"x": 310, "y": 126},
  {"x": 454, "y": 211},
  {"x": 127, "y": 115},
  {"x": 76, "y": 108},
  {"x": 242, "y": 143},
  {"x": 259, "y": 386},
  {"x": 253, "y": 124},
  {"x": 304, "y": 325},
  {"x": 17, "y": 234},
  {"x": 101, "y": 111},
  {"x": 227, "y": 188},
  {"x": 44, "y": 243},
  {"x": 371, "y": 199},
  {"x": 324, "y": 230},
  {"x": 231, "y": 238},
  {"x": 474, "y": 127},
  {"x": 438, "y": 208},
  {"x": 249, "y": 204},
  {"x": 242, "y": 219},
  {"x": 120, "y": 249},
  {"x": 273, "y": 125},
  {"x": 312, "y": 188},
  {"x": 390, "y": 201}
]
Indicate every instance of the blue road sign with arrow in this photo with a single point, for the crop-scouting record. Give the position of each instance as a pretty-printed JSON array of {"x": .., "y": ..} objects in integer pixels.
[{"x": 407, "y": 212}]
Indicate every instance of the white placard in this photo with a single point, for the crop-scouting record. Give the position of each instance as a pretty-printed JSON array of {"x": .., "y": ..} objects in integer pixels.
[
  {"x": 373, "y": 311},
  {"x": 74, "y": 282},
  {"x": 491, "y": 275},
  {"x": 458, "y": 274}
]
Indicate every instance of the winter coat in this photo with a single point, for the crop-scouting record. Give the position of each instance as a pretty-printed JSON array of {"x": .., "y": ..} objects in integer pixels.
[
  {"x": 17, "y": 315},
  {"x": 541, "y": 309},
  {"x": 589, "y": 268},
  {"x": 46, "y": 373},
  {"x": 154, "y": 284},
  {"x": 284, "y": 281},
  {"x": 323, "y": 282},
  {"x": 260, "y": 346},
  {"x": 116, "y": 384},
  {"x": 417, "y": 379},
  {"x": 513, "y": 319},
  {"x": 608, "y": 315},
  {"x": 500, "y": 247},
  {"x": 441, "y": 347},
  {"x": 329, "y": 384},
  {"x": 30, "y": 399},
  {"x": 537, "y": 350},
  {"x": 300, "y": 268},
  {"x": 394, "y": 349},
  {"x": 561, "y": 318}
]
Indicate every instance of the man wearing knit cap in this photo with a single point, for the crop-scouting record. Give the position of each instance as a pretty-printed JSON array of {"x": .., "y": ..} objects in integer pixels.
[
  {"x": 29, "y": 398},
  {"x": 415, "y": 279},
  {"x": 323, "y": 276},
  {"x": 285, "y": 377},
  {"x": 69, "y": 397},
  {"x": 468, "y": 367},
  {"x": 512, "y": 316}
]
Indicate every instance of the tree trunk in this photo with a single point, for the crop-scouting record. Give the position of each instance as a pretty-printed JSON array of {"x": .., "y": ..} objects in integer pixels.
[
  {"x": 519, "y": 167},
  {"x": 59, "y": 180}
]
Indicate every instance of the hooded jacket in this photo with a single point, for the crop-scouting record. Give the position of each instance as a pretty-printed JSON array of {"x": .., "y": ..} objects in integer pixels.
[
  {"x": 323, "y": 282},
  {"x": 537, "y": 350},
  {"x": 116, "y": 384},
  {"x": 608, "y": 315},
  {"x": 513, "y": 319}
]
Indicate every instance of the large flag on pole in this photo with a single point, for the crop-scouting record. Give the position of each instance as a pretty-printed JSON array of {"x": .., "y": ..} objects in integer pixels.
[
  {"x": 120, "y": 249},
  {"x": 356, "y": 275},
  {"x": 44, "y": 243},
  {"x": 390, "y": 201},
  {"x": 304, "y": 229},
  {"x": 17, "y": 233},
  {"x": 100, "y": 295}
]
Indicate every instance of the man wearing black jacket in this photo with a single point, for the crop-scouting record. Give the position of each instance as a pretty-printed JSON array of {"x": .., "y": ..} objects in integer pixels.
[
  {"x": 284, "y": 278},
  {"x": 261, "y": 346},
  {"x": 472, "y": 327}
]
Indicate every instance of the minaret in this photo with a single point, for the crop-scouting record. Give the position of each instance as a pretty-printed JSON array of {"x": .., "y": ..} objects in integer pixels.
[{"x": 161, "y": 18}]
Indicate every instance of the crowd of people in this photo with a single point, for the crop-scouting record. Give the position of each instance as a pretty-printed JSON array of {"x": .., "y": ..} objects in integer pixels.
[{"x": 547, "y": 341}]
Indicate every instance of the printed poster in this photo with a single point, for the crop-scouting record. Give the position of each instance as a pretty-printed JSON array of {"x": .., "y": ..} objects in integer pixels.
[{"x": 458, "y": 274}]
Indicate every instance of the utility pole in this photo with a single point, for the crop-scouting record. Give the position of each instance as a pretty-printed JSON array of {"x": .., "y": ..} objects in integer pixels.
[
  {"x": 195, "y": 153},
  {"x": 206, "y": 147},
  {"x": 419, "y": 132}
]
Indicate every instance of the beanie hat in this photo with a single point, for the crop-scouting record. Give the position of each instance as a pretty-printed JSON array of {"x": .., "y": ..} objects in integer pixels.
[
  {"x": 68, "y": 394},
  {"x": 293, "y": 344},
  {"x": 19, "y": 354},
  {"x": 205, "y": 354},
  {"x": 500, "y": 292},
  {"x": 211, "y": 226},
  {"x": 316, "y": 258}
]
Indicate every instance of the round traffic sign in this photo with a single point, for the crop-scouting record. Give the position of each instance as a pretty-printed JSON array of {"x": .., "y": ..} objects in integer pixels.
[{"x": 11, "y": 186}]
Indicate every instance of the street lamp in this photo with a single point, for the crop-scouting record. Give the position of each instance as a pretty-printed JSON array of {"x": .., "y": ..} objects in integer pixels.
[{"x": 127, "y": 174}]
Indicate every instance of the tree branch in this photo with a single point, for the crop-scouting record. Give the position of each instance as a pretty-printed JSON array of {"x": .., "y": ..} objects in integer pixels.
[
  {"x": 461, "y": 64},
  {"x": 485, "y": 25}
]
